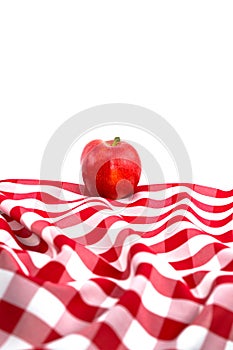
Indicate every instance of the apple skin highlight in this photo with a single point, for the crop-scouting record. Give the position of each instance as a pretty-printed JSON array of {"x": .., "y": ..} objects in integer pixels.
[{"x": 110, "y": 169}]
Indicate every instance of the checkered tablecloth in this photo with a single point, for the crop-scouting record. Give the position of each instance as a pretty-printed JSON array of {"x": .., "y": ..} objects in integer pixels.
[{"x": 154, "y": 271}]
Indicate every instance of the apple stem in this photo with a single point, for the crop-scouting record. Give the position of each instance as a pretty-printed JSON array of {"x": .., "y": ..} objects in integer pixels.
[{"x": 116, "y": 141}]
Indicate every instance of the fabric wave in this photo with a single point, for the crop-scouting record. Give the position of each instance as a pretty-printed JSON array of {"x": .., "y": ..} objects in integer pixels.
[{"x": 153, "y": 271}]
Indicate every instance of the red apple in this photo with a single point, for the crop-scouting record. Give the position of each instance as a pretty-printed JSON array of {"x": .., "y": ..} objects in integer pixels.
[{"x": 110, "y": 169}]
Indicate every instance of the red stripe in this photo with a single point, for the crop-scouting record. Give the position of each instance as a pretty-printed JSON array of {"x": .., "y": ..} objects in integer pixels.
[
  {"x": 105, "y": 337},
  {"x": 83, "y": 311}
]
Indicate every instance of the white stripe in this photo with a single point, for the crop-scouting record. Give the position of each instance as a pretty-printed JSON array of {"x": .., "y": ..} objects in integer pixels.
[
  {"x": 7, "y": 239},
  {"x": 192, "y": 338},
  {"x": 52, "y": 190},
  {"x": 53, "y": 208},
  {"x": 69, "y": 324},
  {"x": 110, "y": 240},
  {"x": 93, "y": 295},
  {"x": 228, "y": 345},
  {"x": 14, "y": 342},
  {"x": 222, "y": 296},
  {"x": 71, "y": 342},
  {"x": 9, "y": 204},
  {"x": 46, "y": 306},
  {"x": 137, "y": 337},
  {"x": 6, "y": 278},
  {"x": 162, "y": 194},
  {"x": 38, "y": 259}
]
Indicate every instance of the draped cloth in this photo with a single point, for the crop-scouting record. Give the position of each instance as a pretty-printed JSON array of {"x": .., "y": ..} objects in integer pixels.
[{"x": 153, "y": 271}]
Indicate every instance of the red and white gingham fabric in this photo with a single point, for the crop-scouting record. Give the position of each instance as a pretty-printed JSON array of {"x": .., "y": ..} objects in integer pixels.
[{"x": 77, "y": 272}]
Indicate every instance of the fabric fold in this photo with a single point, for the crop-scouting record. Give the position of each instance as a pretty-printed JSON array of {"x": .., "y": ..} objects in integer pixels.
[{"x": 153, "y": 271}]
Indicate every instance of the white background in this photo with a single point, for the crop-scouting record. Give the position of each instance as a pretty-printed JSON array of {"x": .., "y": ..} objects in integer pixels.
[{"x": 60, "y": 57}]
